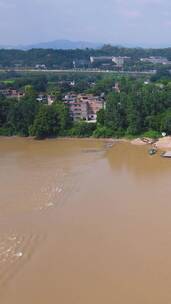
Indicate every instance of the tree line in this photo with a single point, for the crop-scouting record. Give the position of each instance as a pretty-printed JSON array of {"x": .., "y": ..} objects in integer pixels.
[{"x": 63, "y": 59}]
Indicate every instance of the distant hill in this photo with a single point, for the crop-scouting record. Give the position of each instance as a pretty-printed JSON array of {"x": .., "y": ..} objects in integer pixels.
[
  {"x": 56, "y": 45},
  {"x": 73, "y": 45}
]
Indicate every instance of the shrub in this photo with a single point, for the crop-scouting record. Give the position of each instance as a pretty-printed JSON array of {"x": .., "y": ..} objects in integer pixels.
[
  {"x": 103, "y": 132},
  {"x": 82, "y": 129},
  {"x": 5, "y": 132},
  {"x": 152, "y": 134}
]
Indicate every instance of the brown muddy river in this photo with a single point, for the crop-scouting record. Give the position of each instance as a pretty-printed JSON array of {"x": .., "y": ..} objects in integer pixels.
[{"x": 82, "y": 224}]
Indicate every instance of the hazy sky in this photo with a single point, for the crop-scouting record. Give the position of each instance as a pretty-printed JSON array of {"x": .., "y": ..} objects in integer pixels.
[{"x": 134, "y": 22}]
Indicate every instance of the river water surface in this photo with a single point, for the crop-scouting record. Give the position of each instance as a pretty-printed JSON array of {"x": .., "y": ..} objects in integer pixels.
[{"x": 82, "y": 223}]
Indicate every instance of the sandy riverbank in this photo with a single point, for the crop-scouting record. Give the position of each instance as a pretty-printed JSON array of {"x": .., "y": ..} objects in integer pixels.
[
  {"x": 138, "y": 142},
  {"x": 161, "y": 143},
  {"x": 164, "y": 143}
]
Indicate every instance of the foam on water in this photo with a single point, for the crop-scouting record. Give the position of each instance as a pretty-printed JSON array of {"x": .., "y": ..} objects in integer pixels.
[{"x": 15, "y": 250}]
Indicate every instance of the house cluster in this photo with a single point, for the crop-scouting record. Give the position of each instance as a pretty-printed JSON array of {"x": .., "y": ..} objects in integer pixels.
[
  {"x": 156, "y": 60},
  {"x": 81, "y": 106},
  {"x": 84, "y": 106},
  {"x": 11, "y": 93}
]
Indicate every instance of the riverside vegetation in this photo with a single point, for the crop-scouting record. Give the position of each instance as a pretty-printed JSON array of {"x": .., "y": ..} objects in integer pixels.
[{"x": 138, "y": 109}]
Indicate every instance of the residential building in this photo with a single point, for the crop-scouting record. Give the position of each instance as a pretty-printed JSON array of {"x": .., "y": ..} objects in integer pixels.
[
  {"x": 116, "y": 87},
  {"x": 42, "y": 98},
  {"x": 156, "y": 60},
  {"x": 50, "y": 99},
  {"x": 12, "y": 93},
  {"x": 100, "y": 59},
  {"x": 106, "y": 60},
  {"x": 119, "y": 61},
  {"x": 83, "y": 107}
]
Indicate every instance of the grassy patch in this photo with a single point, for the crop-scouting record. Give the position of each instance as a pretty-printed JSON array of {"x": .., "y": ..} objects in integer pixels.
[{"x": 8, "y": 81}]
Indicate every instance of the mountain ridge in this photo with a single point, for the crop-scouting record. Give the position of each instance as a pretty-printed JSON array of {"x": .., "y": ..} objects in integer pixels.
[
  {"x": 65, "y": 44},
  {"x": 56, "y": 45}
]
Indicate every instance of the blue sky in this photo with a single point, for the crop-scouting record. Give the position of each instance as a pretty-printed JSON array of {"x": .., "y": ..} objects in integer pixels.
[{"x": 134, "y": 22}]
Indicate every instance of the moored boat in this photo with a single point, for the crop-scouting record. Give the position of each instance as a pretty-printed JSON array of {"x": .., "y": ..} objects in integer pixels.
[
  {"x": 152, "y": 151},
  {"x": 166, "y": 154}
]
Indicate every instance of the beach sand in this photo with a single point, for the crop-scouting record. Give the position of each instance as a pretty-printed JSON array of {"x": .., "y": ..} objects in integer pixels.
[{"x": 164, "y": 143}]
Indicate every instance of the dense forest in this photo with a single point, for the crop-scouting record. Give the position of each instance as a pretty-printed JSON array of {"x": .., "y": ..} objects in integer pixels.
[
  {"x": 64, "y": 58},
  {"x": 139, "y": 108}
]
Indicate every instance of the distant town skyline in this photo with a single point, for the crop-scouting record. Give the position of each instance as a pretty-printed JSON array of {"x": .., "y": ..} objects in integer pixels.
[{"x": 119, "y": 22}]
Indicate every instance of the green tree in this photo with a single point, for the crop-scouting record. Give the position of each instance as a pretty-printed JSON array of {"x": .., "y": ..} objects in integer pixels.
[
  {"x": 115, "y": 117},
  {"x": 166, "y": 122},
  {"x": 50, "y": 121},
  {"x": 101, "y": 117},
  {"x": 30, "y": 92},
  {"x": 21, "y": 116}
]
